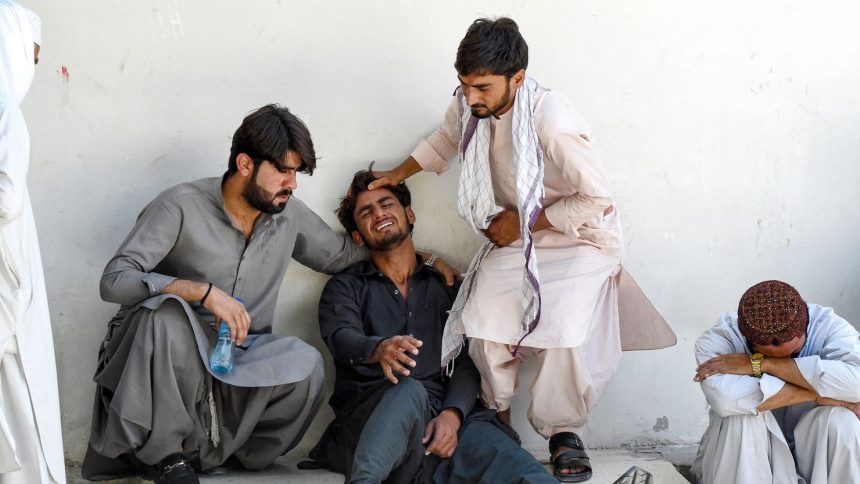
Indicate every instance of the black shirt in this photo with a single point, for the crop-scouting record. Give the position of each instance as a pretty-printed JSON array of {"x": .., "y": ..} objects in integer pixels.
[{"x": 360, "y": 307}]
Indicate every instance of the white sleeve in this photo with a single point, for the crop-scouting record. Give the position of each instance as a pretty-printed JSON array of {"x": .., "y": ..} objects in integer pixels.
[
  {"x": 732, "y": 394},
  {"x": 434, "y": 151},
  {"x": 835, "y": 371},
  {"x": 14, "y": 162}
]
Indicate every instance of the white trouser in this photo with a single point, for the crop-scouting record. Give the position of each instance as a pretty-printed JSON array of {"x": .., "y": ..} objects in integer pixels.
[
  {"x": 566, "y": 387},
  {"x": 752, "y": 449},
  {"x": 26, "y": 464}
]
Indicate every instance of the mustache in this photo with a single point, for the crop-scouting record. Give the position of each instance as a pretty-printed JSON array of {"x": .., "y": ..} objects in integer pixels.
[
  {"x": 284, "y": 193},
  {"x": 478, "y": 106}
]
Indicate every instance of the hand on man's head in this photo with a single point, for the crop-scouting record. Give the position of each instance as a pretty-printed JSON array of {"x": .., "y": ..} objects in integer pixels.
[{"x": 384, "y": 179}]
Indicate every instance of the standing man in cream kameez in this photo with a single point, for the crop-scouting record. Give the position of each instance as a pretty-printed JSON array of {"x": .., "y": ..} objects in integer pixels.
[
  {"x": 31, "y": 445},
  {"x": 782, "y": 378},
  {"x": 545, "y": 284}
]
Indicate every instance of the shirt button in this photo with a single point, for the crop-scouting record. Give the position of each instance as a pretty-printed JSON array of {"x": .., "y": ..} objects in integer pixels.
[{"x": 396, "y": 291}]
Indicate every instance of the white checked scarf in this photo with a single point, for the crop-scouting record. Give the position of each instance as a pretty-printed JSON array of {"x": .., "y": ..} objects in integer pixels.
[{"x": 477, "y": 205}]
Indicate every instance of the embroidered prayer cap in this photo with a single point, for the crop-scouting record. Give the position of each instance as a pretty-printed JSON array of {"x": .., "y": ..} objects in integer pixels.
[{"x": 772, "y": 312}]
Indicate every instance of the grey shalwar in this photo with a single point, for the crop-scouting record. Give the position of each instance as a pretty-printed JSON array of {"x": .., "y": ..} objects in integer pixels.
[
  {"x": 378, "y": 427},
  {"x": 156, "y": 394}
]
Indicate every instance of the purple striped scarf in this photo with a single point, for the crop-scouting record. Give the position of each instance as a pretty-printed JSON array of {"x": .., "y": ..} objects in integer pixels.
[{"x": 476, "y": 204}]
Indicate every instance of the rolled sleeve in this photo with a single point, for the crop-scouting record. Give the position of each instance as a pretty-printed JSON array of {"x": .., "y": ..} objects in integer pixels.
[
  {"x": 429, "y": 159},
  {"x": 433, "y": 152},
  {"x": 570, "y": 213},
  {"x": 156, "y": 283}
]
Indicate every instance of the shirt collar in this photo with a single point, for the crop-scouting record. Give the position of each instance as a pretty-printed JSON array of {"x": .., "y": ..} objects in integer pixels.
[
  {"x": 368, "y": 268},
  {"x": 263, "y": 220}
]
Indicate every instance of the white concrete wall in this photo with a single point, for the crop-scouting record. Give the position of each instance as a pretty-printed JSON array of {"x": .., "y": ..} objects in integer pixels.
[{"x": 729, "y": 130}]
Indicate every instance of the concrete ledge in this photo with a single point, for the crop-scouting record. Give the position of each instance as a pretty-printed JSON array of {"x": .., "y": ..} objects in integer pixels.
[{"x": 609, "y": 465}]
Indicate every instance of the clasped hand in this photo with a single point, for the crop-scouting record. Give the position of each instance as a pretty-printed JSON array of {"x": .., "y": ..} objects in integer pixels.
[
  {"x": 228, "y": 309},
  {"x": 504, "y": 229},
  {"x": 730, "y": 364}
]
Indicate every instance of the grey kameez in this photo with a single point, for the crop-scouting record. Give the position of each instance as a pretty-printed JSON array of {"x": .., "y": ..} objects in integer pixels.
[{"x": 154, "y": 392}]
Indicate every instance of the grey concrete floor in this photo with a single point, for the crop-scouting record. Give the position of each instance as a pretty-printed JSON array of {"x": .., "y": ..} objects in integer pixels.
[{"x": 663, "y": 462}]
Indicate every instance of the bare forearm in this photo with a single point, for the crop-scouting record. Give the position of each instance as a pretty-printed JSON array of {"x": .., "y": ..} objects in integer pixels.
[
  {"x": 408, "y": 168},
  {"x": 786, "y": 370},
  {"x": 542, "y": 223},
  {"x": 789, "y": 395},
  {"x": 191, "y": 291}
]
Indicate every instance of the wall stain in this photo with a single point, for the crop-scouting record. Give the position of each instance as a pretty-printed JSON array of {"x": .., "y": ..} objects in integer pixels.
[{"x": 662, "y": 424}]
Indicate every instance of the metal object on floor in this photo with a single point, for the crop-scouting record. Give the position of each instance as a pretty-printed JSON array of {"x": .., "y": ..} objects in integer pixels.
[{"x": 635, "y": 475}]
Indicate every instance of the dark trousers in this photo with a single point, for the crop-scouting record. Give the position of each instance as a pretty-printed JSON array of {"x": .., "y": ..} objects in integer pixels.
[
  {"x": 380, "y": 441},
  {"x": 389, "y": 448}
]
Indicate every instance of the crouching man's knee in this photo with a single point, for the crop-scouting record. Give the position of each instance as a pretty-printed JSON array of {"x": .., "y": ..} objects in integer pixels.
[
  {"x": 827, "y": 444},
  {"x": 733, "y": 446}
]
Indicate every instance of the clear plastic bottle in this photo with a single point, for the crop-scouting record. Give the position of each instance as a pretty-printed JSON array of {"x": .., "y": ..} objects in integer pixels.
[{"x": 221, "y": 360}]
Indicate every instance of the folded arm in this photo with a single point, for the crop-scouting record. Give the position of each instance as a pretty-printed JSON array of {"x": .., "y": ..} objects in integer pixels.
[{"x": 582, "y": 173}]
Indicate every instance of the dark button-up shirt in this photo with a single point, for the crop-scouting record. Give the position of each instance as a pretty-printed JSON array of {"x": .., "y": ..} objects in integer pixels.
[{"x": 360, "y": 307}]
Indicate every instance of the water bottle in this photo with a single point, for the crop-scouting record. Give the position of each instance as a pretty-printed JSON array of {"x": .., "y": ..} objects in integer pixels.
[{"x": 221, "y": 360}]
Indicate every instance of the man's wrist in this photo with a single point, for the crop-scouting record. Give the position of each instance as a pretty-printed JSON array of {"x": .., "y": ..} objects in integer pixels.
[
  {"x": 455, "y": 412},
  {"x": 757, "y": 360}
]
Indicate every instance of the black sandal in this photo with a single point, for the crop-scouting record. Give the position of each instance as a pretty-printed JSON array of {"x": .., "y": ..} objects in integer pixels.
[{"x": 569, "y": 458}]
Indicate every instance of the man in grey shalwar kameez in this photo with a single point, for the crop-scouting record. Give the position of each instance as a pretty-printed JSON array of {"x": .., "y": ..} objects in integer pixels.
[
  {"x": 782, "y": 378},
  {"x": 194, "y": 249}
]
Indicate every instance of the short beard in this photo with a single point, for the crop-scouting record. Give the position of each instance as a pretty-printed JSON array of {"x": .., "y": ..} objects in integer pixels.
[
  {"x": 504, "y": 102},
  {"x": 389, "y": 242},
  {"x": 261, "y": 199}
]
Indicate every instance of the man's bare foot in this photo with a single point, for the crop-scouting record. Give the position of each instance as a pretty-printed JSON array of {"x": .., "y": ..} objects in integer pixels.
[{"x": 567, "y": 470}]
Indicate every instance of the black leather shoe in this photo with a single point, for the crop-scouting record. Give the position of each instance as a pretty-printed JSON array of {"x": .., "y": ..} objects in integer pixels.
[{"x": 174, "y": 469}]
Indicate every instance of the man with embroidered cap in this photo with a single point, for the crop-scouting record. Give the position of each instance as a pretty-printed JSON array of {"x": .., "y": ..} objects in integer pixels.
[
  {"x": 782, "y": 378},
  {"x": 31, "y": 445},
  {"x": 546, "y": 283}
]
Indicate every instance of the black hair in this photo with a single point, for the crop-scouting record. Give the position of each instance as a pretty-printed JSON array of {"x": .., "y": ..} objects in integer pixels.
[
  {"x": 268, "y": 134},
  {"x": 492, "y": 47},
  {"x": 359, "y": 184}
]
